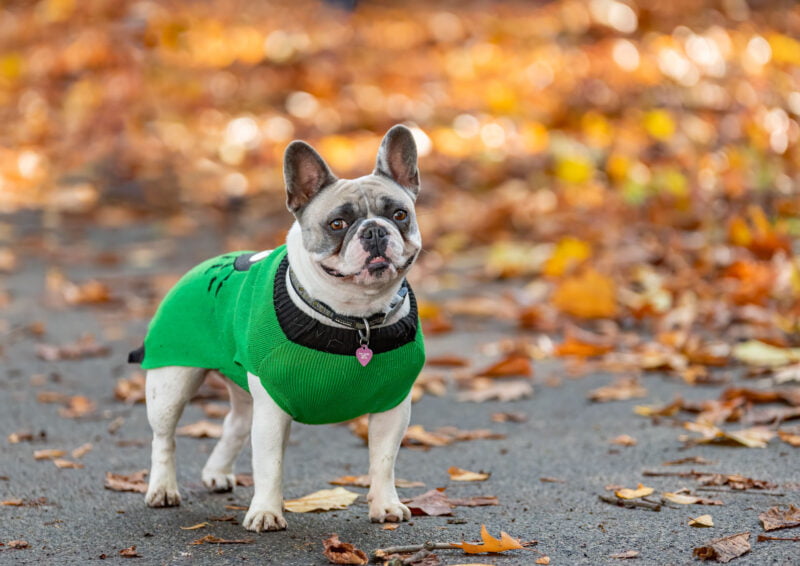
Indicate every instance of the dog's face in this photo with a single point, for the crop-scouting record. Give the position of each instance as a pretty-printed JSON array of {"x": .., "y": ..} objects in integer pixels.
[{"x": 362, "y": 231}]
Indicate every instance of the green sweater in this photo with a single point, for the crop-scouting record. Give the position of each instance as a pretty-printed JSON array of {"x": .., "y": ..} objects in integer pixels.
[{"x": 234, "y": 315}]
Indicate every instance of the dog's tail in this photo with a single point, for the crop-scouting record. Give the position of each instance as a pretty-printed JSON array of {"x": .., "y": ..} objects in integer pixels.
[{"x": 136, "y": 356}]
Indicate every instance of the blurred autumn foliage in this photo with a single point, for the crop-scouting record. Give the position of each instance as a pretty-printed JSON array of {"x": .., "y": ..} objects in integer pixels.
[{"x": 638, "y": 159}]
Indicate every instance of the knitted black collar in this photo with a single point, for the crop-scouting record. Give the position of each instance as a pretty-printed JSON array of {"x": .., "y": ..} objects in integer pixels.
[{"x": 306, "y": 331}]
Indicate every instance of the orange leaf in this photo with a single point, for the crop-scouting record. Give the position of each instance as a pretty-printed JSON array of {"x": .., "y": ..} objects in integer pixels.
[
  {"x": 514, "y": 364},
  {"x": 490, "y": 544},
  {"x": 588, "y": 295},
  {"x": 572, "y": 346}
]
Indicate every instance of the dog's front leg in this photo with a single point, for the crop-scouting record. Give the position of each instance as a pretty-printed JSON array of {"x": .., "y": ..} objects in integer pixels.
[
  {"x": 386, "y": 431},
  {"x": 269, "y": 434}
]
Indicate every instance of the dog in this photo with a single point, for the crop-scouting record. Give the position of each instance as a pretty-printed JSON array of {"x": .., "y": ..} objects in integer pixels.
[{"x": 321, "y": 330}]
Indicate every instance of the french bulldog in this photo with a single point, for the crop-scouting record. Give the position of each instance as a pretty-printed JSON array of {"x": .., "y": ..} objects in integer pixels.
[{"x": 320, "y": 330}]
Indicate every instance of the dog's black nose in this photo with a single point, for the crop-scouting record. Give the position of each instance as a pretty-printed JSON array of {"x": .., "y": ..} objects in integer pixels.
[
  {"x": 374, "y": 239},
  {"x": 375, "y": 233}
]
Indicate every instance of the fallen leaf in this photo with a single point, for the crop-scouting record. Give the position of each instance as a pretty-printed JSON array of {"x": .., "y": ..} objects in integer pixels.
[
  {"x": 620, "y": 390},
  {"x": 68, "y": 464},
  {"x": 724, "y": 549},
  {"x": 131, "y": 390},
  {"x": 38, "y": 502},
  {"x": 244, "y": 480},
  {"x": 475, "y": 501},
  {"x": 684, "y": 499},
  {"x": 84, "y": 347},
  {"x": 757, "y": 353},
  {"x": 77, "y": 406},
  {"x": 625, "y": 555},
  {"x": 26, "y": 436},
  {"x": 131, "y": 482},
  {"x": 703, "y": 521},
  {"x": 459, "y": 474},
  {"x": 417, "y": 435},
  {"x": 82, "y": 450},
  {"x": 490, "y": 544},
  {"x": 447, "y": 361},
  {"x": 13, "y": 502},
  {"x": 130, "y": 552},
  {"x": 390, "y": 526},
  {"x": 51, "y": 397},
  {"x": 323, "y": 500},
  {"x": 433, "y": 503},
  {"x": 765, "y": 538},
  {"x": 552, "y": 480},
  {"x": 18, "y": 544},
  {"x": 688, "y": 460},
  {"x": 516, "y": 417},
  {"x": 789, "y": 437},
  {"x": 211, "y": 539},
  {"x": 779, "y": 518},
  {"x": 197, "y": 526},
  {"x": 363, "y": 481},
  {"x": 587, "y": 295},
  {"x": 338, "y": 552},
  {"x": 543, "y": 560},
  {"x": 512, "y": 365},
  {"x": 623, "y": 440},
  {"x": 755, "y": 437},
  {"x": 48, "y": 454},
  {"x": 502, "y": 391},
  {"x": 201, "y": 429},
  {"x": 640, "y": 491}
]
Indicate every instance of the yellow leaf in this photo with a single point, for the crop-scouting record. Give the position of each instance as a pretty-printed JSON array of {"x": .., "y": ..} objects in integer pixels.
[
  {"x": 680, "y": 498},
  {"x": 459, "y": 474},
  {"x": 659, "y": 124},
  {"x": 543, "y": 560},
  {"x": 568, "y": 254},
  {"x": 588, "y": 295},
  {"x": 323, "y": 500},
  {"x": 574, "y": 169},
  {"x": 490, "y": 544},
  {"x": 640, "y": 491},
  {"x": 703, "y": 521},
  {"x": 757, "y": 353}
]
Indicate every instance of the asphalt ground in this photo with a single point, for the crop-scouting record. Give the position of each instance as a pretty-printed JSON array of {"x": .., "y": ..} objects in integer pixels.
[{"x": 565, "y": 437}]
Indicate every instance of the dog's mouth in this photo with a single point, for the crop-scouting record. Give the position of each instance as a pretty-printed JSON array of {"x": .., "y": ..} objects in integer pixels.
[{"x": 377, "y": 265}]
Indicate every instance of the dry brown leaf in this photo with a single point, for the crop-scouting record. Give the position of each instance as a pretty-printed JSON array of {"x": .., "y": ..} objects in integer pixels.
[
  {"x": 665, "y": 411},
  {"x": 26, "y": 436},
  {"x": 323, "y": 500},
  {"x": 433, "y": 503},
  {"x": 459, "y": 474},
  {"x": 13, "y": 502},
  {"x": 18, "y": 544},
  {"x": 512, "y": 365},
  {"x": 84, "y": 347},
  {"x": 779, "y": 518},
  {"x": 703, "y": 521},
  {"x": 623, "y": 440},
  {"x": 501, "y": 391},
  {"x": 244, "y": 480},
  {"x": 201, "y": 429},
  {"x": 685, "y": 499},
  {"x": 640, "y": 491},
  {"x": 77, "y": 406},
  {"x": 620, "y": 390},
  {"x": 515, "y": 417},
  {"x": 724, "y": 549},
  {"x": 51, "y": 397},
  {"x": 688, "y": 460},
  {"x": 490, "y": 544},
  {"x": 131, "y": 390},
  {"x": 447, "y": 360},
  {"x": 789, "y": 437},
  {"x": 129, "y": 552},
  {"x": 417, "y": 435},
  {"x": 67, "y": 464},
  {"x": 195, "y": 527},
  {"x": 543, "y": 560},
  {"x": 363, "y": 481},
  {"x": 390, "y": 526},
  {"x": 82, "y": 450},
  {"x": 48, "y": 454},
  {"x": 475, "y": 501},
  {"x": 211, "y": 539},
  {"x": 625, "y": 555},
  {"x": 574, "y": 346},
  {"x": 131, "y": 482},
  {"x": 755, "y": 437},
  {"x": 338, "y": 552}
]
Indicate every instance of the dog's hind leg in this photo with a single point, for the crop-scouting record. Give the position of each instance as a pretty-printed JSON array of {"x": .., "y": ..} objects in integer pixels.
[
  {"x": 168, "y": 389},
  {"x": 218, "y": 471}
]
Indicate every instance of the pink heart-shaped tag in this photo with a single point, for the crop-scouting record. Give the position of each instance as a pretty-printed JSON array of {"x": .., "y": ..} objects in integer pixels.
[{"x": 363, "y": 355}]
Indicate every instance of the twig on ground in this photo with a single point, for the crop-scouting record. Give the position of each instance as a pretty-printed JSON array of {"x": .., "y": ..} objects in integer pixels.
[
  {"x": 742, "y": 491},
  {"x": 381, "y": 552},
  {"x": 630, "y": 503},
  {"x": 763, "y": 538}
]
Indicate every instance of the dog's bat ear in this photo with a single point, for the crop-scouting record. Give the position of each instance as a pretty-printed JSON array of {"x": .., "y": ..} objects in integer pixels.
[
  {"x": 305, "y": 173},
  {"x": 397, "y": 158}
]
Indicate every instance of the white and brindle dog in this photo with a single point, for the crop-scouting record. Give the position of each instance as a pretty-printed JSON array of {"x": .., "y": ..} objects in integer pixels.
[{"x": 348, "y": 252}]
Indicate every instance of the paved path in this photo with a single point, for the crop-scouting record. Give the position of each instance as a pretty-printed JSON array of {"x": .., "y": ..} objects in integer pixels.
[{"x": 566, "y": 437}]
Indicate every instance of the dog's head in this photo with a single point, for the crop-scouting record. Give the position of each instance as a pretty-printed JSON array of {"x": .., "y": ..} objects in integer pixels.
[{"x": 363, "y": 231}]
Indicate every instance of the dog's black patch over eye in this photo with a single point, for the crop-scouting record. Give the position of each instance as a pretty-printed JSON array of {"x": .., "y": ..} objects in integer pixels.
[{"x": 337, "y": 224}]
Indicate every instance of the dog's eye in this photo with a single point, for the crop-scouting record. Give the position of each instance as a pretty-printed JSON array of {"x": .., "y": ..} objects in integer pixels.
[
  {"x": 337, "y": 224},
  {"x": 400, "y": 215}
]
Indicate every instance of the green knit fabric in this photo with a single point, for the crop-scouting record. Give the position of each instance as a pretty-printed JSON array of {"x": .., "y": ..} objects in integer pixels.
[{"x": 217, "y": 317}]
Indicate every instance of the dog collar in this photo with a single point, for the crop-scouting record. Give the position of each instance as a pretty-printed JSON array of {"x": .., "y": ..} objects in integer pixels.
[{"x": 357, "y": 323}]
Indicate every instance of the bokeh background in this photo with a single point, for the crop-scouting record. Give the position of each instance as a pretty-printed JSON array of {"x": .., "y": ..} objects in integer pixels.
[{"x": 618, "y": 156}]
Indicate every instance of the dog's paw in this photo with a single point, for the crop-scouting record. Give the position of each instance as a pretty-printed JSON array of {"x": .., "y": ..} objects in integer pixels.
[
  {"x": 259, "y": 521},
  {"x": 162, "y": 496},
  {"x": 389, "y": 512},
  {"x": 218, "y": 481}
]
